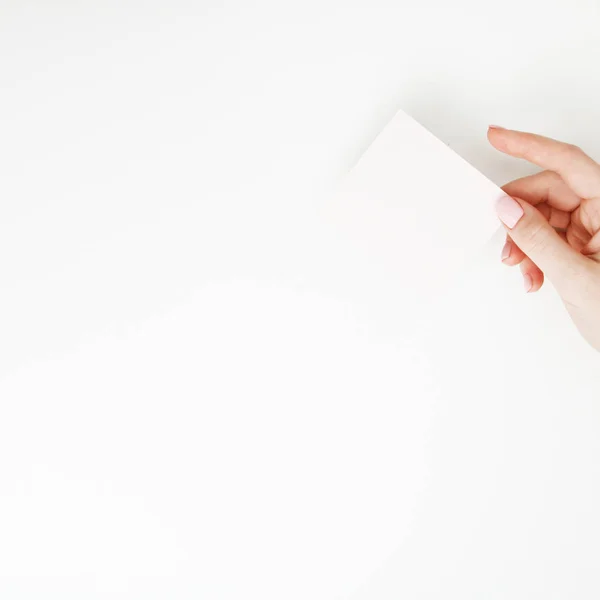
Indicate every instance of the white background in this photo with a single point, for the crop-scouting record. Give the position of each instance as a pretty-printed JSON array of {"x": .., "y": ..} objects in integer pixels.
[{"x": 186, "y": 408}]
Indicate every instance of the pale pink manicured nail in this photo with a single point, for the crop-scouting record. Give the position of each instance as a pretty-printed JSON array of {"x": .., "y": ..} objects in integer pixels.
[
  {"x": 495, "y": 127},
  {"x": 509, "y": 211},
  {"x": 506, "y": 250},
  {"x": 527, "y": 282}
]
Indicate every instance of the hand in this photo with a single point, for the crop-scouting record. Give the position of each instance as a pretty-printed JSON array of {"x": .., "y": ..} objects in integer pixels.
[{"x": 552, "y": 221}]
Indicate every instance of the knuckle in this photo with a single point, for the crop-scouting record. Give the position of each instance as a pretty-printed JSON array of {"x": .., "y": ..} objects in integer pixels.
[
  {"x": 570, "y": 153},
  {"x": 574, "y": 150},
  {"x": 535, "y": 237}
]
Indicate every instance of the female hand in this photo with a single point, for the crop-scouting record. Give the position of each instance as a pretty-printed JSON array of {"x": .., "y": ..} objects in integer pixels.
[{"x": 552, "y": 221}]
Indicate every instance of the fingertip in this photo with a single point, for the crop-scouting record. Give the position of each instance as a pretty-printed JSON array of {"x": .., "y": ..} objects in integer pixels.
[
  {"x": 536, "y": 286},
  {"x": 533, "y": 277},
  {"x": 509, "y": 210},
  {"x": 506, "y": 250},
  {"x": 511, "y": 254},
  {"x": 514, "y": 259},
  {"x": 496, "y": 135}
]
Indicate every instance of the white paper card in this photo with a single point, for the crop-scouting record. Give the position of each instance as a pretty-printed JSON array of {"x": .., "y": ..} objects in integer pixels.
[{"x": 414, "y": 211}]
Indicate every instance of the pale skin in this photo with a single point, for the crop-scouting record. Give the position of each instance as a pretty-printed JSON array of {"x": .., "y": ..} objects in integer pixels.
[{"x": 552, "y": 221}]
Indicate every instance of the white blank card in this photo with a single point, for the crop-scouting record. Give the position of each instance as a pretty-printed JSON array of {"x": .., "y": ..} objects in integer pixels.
[{"x": 412, "y": 211}]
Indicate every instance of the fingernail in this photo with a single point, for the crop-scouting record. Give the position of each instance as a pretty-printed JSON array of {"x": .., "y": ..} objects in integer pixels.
[
  {"x": 527, "y": 282},
  {"x": 495, "y": 127},
  {"x": 506, "y": 250},
  {"x": 509, "y": 211}
]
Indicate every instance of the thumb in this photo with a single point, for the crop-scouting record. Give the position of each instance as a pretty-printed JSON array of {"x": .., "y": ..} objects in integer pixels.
[{"x": 532, "y": 233}]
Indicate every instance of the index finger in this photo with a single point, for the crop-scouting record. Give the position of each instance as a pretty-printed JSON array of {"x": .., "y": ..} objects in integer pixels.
[{"x": 580, "y": 172}]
